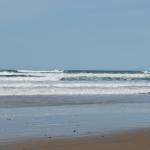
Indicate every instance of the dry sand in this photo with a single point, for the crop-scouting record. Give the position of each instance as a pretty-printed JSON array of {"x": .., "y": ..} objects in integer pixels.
[{"x": 135, "y": 140}]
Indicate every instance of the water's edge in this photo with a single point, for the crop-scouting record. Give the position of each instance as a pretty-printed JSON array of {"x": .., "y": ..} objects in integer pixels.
[{"x": 60, "y": 100}]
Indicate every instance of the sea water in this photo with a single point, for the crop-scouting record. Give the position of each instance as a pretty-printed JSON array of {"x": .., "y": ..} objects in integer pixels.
[
  {"x": 77, "y": 82},
  {"x": 122, "y": 102}
]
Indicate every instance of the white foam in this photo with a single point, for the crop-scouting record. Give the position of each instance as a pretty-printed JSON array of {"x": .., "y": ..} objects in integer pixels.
[
  {"x": 146, "y": 72},
  {"x": 40, "y": 71},
  {"x": 59, "y": 74},
  {"x": 32, "y": 76},
  {"x": 79, "y": 91},
  {"x": 71, "y": 85},
  {"x": 50, "y": 83}
]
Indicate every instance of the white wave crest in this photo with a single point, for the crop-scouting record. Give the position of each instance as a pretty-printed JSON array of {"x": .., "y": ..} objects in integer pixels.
[
  {"x": 146, "y": 72},
  {"x": 56, "y": 75},
  {"x": 79, "y": 91},
  {"x": 40, "y": 71},
  {"x": 55, "y": 82}
]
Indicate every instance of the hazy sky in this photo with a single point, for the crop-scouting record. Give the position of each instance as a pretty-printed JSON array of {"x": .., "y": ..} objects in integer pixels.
[{"x": 75, "y": 34}]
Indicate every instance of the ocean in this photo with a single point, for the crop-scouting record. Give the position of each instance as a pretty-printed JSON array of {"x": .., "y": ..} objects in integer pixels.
[
  {"x": 55, "y": 103},
  {"x": 73, "y": 82}
]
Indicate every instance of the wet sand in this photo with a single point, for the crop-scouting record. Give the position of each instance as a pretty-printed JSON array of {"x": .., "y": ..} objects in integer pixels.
[
  {"x": 20, "y": 116},
  {"x": 60, "y": 100},
  {"x": 133, "y": 140}
]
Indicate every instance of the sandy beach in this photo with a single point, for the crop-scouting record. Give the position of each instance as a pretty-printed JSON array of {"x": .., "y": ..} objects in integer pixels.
[
  {"x": 133, "y": 140},
  {"x": 64, "y": 118},
  {"x": 75, "y": 123}
]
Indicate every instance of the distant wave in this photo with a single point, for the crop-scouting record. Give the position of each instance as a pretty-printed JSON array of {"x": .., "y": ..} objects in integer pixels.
[
  {"x": 10, "y": 76},
  {"x": 30, "y": 71},
  {"x": 40, "y": 71},
  {"x": 103, "y": 71},
  {"x": 146, "y": 72},
  {"x": 9, "y": 70},
  {"x": 84, "y": 78},
  {"x": 70, "y": 71},
  {"x": 58, "y": 75}
]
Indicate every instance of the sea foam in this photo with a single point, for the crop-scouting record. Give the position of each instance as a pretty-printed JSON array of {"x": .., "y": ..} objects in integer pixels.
[{"x": 62, "y": 82}]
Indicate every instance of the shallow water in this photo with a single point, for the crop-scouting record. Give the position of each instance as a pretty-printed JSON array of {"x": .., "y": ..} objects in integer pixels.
[{"x": 73, "y": 120}]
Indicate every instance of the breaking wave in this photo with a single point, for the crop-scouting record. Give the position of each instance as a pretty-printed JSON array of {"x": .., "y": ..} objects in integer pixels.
[{"x": 56, "y": 82}]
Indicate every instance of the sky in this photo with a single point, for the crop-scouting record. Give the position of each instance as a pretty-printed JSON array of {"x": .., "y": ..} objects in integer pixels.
[{"x": 75, "y": 34}]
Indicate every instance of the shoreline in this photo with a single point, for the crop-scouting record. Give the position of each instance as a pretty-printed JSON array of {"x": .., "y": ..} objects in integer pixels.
[
  {"x": 62, "y": 100},
  {"x": 60, "y": 121},
  {"x": 116, "y": 122},
  {"x": 137, "y": 139}
]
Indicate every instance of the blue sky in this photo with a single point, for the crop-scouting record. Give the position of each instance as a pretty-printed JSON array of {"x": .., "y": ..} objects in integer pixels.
[{"x": 75, "y": 34}]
